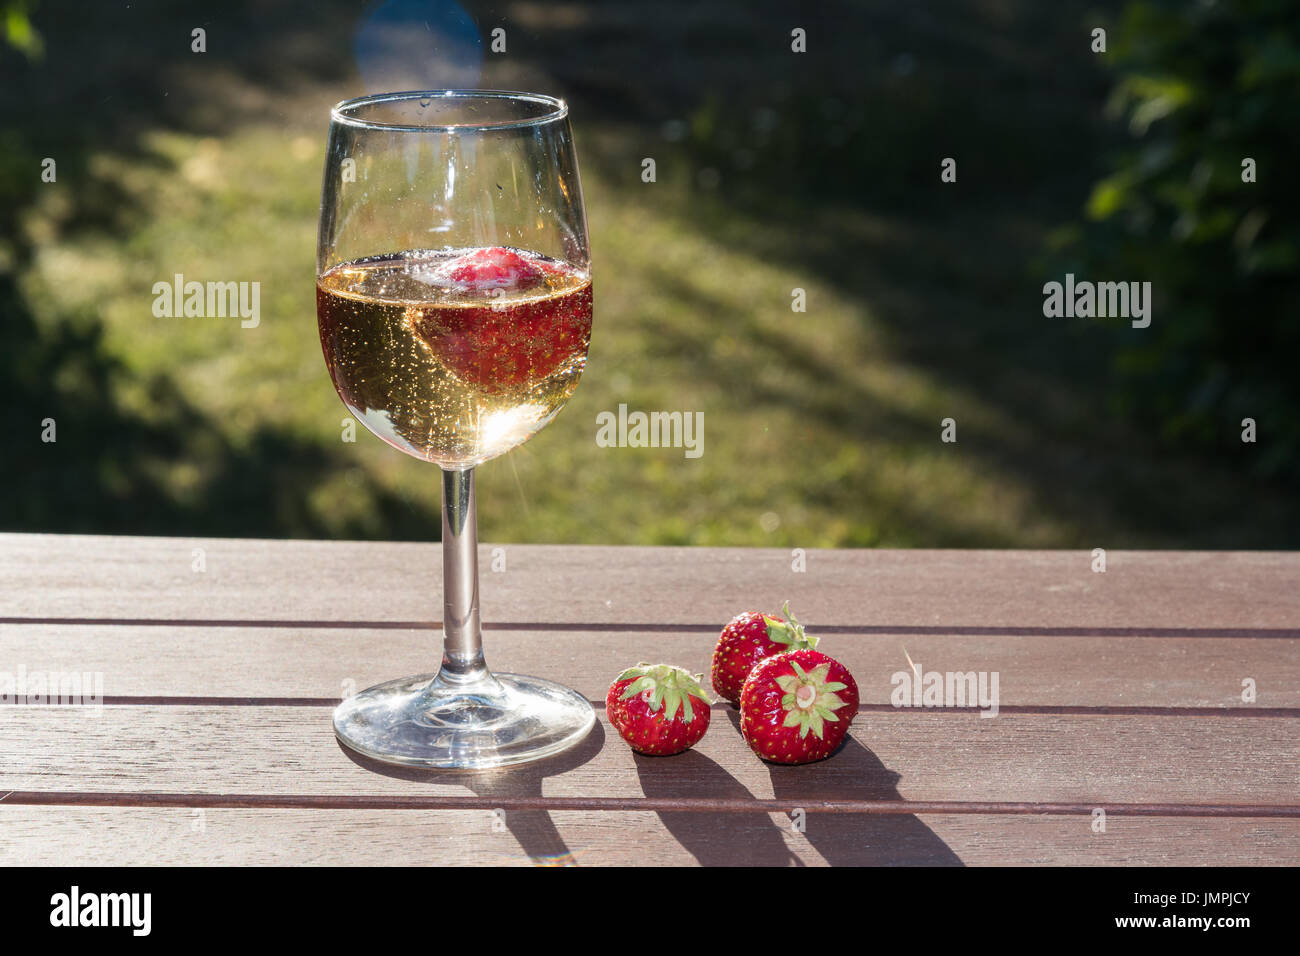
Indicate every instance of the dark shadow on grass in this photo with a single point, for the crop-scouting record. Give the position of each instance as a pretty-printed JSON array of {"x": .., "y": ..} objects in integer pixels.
[
  {"x": 108, "y": 469},
  {"x": 158, "y": 464}
]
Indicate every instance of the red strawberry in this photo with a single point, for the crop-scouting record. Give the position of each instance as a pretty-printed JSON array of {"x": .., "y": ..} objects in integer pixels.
[
  {"x": 505, "y": 342},
  {"x": 746, "y": 640},
  {"x": 494, "y": 268},
  {"x": 797, "y": 707},
  {"x": 658, "y": 709}
]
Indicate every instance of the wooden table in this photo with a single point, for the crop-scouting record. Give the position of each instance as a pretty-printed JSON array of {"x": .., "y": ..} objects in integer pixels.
[{"x": 1119, "y": 691}]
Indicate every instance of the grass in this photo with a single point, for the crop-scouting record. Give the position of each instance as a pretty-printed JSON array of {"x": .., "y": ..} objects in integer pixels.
[{"x": 821, "y": 429}]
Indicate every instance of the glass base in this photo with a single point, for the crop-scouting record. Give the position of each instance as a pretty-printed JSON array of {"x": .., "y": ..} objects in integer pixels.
[{"x": 498, "y": 720}]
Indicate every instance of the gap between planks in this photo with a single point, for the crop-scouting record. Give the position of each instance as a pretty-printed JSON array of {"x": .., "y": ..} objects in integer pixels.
[
  {"x": 623, "y": 804},
  {"x": 1279, "y": 633},
  {"x": 1101, "y": 710}
]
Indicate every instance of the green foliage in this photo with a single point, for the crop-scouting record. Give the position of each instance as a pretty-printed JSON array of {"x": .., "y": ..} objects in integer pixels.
[
  {"x": 1203, "y": 87},
  {"x": 16, "y": 25}
]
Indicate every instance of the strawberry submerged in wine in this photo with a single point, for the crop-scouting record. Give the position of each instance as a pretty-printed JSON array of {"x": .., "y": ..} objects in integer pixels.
[{"x": 455, "y": 356}]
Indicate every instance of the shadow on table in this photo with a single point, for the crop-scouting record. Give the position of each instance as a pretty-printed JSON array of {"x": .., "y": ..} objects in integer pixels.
[
  {"x": 714, "y": 839},
  {"x": 855, "y": 839},
  {"x": 534, "y": 829},
  {"x": 721, "y": 838}
]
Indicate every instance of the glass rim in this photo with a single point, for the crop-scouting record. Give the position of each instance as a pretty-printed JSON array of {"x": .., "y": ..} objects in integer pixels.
[{"x": 559, "y": 109}]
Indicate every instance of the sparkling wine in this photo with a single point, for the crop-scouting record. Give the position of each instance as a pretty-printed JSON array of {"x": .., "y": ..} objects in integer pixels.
[{"x": 455, "y": 356}]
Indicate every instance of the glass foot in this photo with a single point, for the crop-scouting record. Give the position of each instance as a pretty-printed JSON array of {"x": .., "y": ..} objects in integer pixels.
[{"x": 502, "y": 719}]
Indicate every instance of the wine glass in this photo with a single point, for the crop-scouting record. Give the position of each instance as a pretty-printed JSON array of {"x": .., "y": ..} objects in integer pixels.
[{"x": 453, "y": 293}]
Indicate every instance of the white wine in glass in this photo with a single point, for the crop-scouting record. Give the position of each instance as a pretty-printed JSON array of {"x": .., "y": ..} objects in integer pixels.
[{"x": 453, "y": 296}]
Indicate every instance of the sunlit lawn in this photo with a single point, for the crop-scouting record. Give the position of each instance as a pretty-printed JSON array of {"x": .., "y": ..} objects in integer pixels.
[{"x": 671, "y": 304}]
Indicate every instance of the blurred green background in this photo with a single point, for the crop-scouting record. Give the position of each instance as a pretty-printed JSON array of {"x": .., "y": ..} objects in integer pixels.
[{"x": 775, "y": 170}]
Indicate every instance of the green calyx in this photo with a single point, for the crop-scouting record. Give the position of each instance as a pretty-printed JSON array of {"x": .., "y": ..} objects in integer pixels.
[
  {"x": 809, "y": 699},
  {"x": 669, "y": 687},
  {"x": 789, "y": 632}
]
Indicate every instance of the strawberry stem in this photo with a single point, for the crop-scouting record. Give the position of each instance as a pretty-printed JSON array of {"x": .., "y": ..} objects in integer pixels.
[
  {"x": 789, "y": 632},
  {"x": 665, "y": 685}
]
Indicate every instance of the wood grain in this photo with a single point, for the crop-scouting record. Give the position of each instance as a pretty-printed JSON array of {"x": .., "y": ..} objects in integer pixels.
[
  {"x": 138, "y": 836},
  {"x": 1119, "y": 690},
  {"x": 1093, "y": 760},
  {"x": 327, "y": 663},
  {"x": 1142, "y": 592}
]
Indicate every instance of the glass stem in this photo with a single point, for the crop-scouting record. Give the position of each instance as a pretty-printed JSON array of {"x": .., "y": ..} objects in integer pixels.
[{"x": 462, "y": 648}]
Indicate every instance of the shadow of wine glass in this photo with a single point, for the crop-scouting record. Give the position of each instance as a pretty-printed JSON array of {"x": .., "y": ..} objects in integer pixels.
[
  {"x": 534, "y": 829},
  {"x": 853, "y": 772}
]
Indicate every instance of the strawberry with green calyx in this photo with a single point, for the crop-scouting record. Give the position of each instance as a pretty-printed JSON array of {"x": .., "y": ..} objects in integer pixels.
[
  {"x": 747, "y": 639},
  {"x": 658, "y": 709},
  {"x": 797, "y": 707}
]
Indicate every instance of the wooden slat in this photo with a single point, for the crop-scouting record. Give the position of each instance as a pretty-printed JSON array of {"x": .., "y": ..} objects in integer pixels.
[
  {"x": 57, "y": 576},
  {"x": 1019, "y": 758},
  {"x": 151, "y": 836},
  {"x": 1119, "y": 690},
  {"x": 1095, "y": 672}
]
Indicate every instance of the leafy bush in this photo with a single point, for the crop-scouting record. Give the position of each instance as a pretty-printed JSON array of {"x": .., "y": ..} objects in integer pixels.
[{"x": 1203, "y": 87}]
